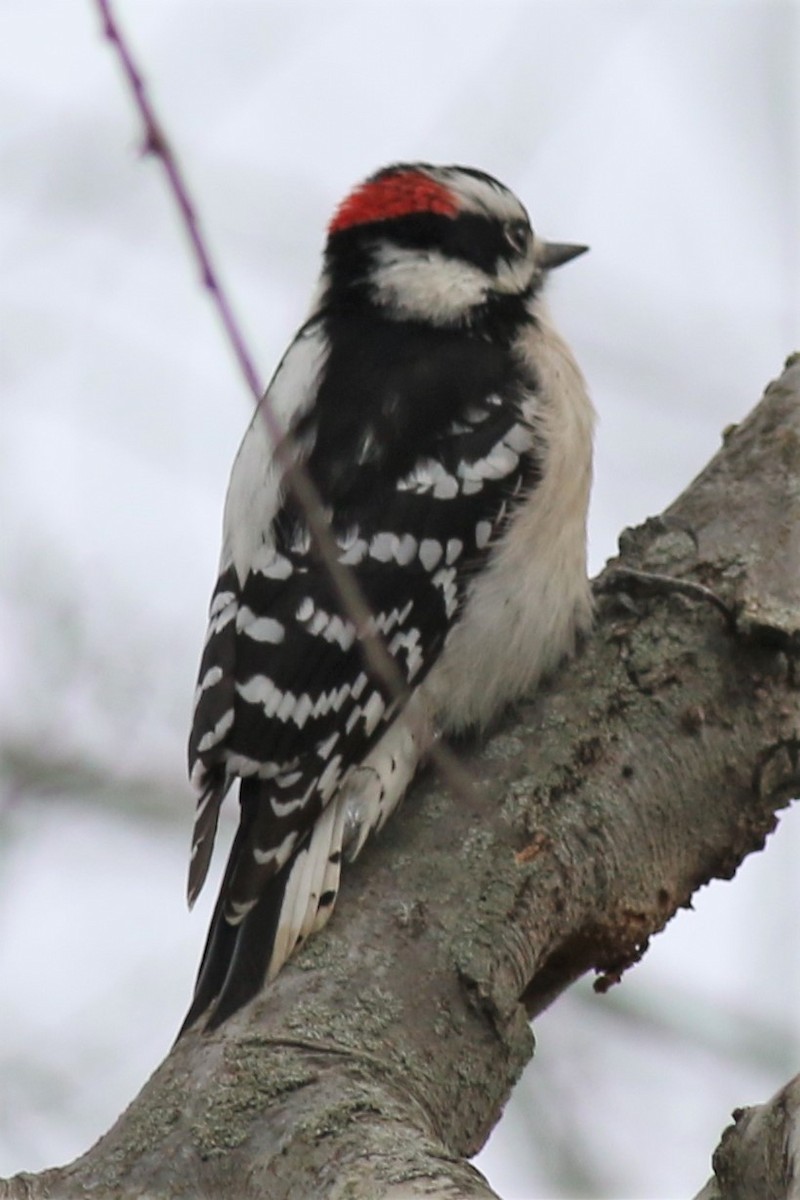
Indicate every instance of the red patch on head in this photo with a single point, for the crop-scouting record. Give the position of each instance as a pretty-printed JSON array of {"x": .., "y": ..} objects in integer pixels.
[{"x": 397, "y": 194}]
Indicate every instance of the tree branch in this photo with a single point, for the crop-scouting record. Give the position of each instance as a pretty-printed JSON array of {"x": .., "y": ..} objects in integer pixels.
[
  {"x": 759, "y": 1155},
  {"x": 383, "y": 1054}
]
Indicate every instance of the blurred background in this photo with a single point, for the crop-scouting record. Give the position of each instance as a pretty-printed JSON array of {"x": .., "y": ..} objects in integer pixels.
[{"x": 666, "y": 135}]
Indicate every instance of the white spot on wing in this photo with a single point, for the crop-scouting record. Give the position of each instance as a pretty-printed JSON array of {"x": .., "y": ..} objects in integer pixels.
[
  {"x": 301, "y": 542},
  {"x": 383, "y": 546},
  {"x": 445, "y": 579},
  {"x": 325, "y": 749},
  {"x": 373, "y": 711},
  {"x": 519, "y": 438},
  {"x": 340, "y": 631},
  {"x": 271, "y": 565},
  {"x": 408, "y": 641},
  {"x": 289, "y": 779},
  {"x": 331, "y": 700},
  {"x": 354, "y": 717},
  {"x": 386, "y": 621},
  {"x": 284, "y": 808},
  {"x": 500, "y": 462},
  {"x": 353, "y": 548},
  {"x": 260, "y": 629},
  {"x": 319, "y": 622},
  {"x": 483, "y": 532},
  {"x": 340, "y": 697},
  {"x": 302, "y": 710},
  {"x": 261, "y": 690},
  {"x": 286, "y": 707},
  {"x": 223, "y": 618},
  {"x": 430, "y": 552},
  {"x": 476, "y": 415},
  {"x": 406, "y": 549},
  {"x": 329, "y": 626},
  {"x": 277, "y": 854},
  {"x": 240, "y": 764},
  {"x": 212, "y": 676},
  {"x": 215, "y": 735},
  {"x": 446, "y": 487},
  {"x": 429, "y": 473},
  {"x": 305, "y": 609},
  {"x": 358, "y": 686},
  {"x": 220, "y": 601}
]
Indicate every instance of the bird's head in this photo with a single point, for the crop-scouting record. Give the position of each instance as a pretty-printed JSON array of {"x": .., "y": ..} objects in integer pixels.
[{"x": 436, "y": 244}]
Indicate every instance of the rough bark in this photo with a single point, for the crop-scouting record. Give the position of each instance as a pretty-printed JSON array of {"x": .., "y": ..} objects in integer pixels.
[
  {"x": 384, "y": 1053},
  {"x": 758, "y": 1157}
]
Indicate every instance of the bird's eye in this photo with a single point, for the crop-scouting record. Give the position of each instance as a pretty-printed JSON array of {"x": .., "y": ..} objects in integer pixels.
[{"x": 517, "y": 234}]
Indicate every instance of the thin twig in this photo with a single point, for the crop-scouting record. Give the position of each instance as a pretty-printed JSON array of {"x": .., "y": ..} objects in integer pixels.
[
  {"x": 348, "y": 590},
  {"x": 157, "y": 144}
]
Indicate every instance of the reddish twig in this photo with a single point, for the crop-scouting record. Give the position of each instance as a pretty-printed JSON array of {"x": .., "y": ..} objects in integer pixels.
[{"x": 157, "y": 144}]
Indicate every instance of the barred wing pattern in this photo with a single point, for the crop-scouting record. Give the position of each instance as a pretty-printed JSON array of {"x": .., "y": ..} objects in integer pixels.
[{"x": 285, "y": 700}]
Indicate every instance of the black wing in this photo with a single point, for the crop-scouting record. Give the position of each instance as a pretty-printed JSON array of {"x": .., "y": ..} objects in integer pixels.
[{"x": 418, "y": 464}]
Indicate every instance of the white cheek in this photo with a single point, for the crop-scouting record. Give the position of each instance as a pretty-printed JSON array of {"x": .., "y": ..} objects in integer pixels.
[{"x": 425, "y": 284}]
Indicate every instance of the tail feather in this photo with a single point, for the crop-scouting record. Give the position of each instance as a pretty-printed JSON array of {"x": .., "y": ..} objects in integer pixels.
[
  {"x": 249, "y": 942},
  {"x": 203, "y": 835},
  {"x": 240, "y": 957},
  {"x": 318, "y": 911},
  {"x": 221, "y": 939},
  {"x": 234, "y": 965},
  {"x": 252, "y": 945},
  {"x": 298, "y": 893},
  {"x": 217, "y": 955},
  {"x": 306, "y": 885},
  {"x": 289, "y": 906}
]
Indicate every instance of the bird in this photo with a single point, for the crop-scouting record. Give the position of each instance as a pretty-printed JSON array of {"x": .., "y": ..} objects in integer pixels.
[{"x": 447, "y": 431}]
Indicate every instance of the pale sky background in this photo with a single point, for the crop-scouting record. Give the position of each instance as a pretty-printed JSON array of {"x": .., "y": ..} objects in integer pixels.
[{"x": 666, "y": 135}]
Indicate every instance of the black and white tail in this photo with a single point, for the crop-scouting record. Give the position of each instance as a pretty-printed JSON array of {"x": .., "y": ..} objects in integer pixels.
[{"x": 246, "y": 949}]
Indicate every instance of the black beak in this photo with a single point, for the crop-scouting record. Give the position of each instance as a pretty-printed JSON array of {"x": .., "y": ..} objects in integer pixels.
[{"x": 553, "y": 254}]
